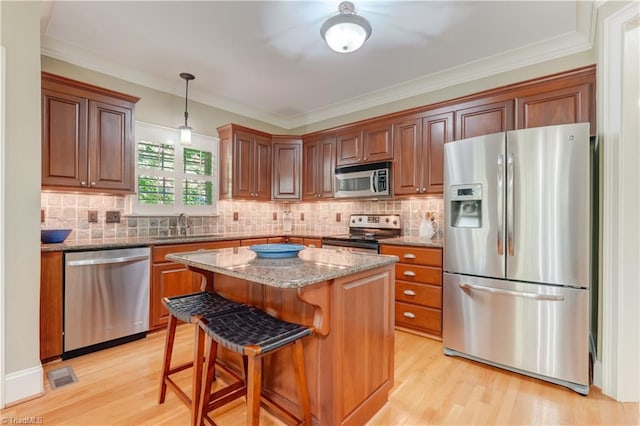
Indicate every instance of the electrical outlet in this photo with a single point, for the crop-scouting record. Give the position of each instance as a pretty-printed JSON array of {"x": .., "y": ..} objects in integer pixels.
[
  {"x": 112, "y": 216},
  {"x": 338, "y": 217},
  {"x": 92, "y": 216},
  {"x": 275, "y": 216},
  {"x": 41, "y": 215},
  {"x": 301, "y": 216},
  {"x": 235, "y": 216}
]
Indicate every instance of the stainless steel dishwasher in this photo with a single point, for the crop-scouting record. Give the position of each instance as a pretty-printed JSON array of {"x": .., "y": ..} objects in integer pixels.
[{"x": 106, "y": 298}]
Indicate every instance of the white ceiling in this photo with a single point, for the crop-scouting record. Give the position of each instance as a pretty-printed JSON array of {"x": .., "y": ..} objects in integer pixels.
[{"x": 266, "y": 59}]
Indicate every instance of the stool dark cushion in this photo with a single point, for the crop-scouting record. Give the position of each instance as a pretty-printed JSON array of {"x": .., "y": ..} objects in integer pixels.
[
  {"x": 251, "y": 326},
  {"x": 204, "y": 303}
]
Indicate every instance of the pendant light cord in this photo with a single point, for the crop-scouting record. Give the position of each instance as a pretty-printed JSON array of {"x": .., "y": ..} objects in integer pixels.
[{"x": 186, "y": 97}]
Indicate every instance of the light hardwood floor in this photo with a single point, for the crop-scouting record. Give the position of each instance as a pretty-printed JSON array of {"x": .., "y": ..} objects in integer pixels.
[{"x": 120, "y": 386}]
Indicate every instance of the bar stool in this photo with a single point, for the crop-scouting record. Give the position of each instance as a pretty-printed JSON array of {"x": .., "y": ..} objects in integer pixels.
[
  {"x": 253, "y": 334},
  {"x": 188, "y": 308}
]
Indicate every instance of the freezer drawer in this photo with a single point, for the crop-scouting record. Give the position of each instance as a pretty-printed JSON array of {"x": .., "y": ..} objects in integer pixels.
[{"x": 539, "y": 330}]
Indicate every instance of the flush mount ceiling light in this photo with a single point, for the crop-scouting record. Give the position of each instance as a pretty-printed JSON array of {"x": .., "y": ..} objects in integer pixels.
[
  {"x": 185, "y": 131},
  {"x": 347, "y": 31}
]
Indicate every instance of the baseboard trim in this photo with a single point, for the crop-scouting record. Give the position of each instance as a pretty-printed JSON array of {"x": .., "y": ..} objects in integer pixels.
[
  {"x": 24, "y": 384},
  {"x": 597, "y": 374}
]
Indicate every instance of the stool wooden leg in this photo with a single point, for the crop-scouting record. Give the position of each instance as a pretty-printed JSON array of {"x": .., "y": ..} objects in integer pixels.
[
  {"x": 254, "y": 382},
  {"x": 168, "y": 351},
  {"x": 301, "y": 379},
  {"x": 196, "y": 380},
  {"x": 208, "y": 377}
]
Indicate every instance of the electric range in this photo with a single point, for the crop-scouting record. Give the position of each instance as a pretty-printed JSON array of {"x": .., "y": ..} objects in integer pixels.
[{"x": 365, "y": 232}]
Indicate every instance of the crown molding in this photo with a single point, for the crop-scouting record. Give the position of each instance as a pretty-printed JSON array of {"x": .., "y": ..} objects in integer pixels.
[
  {"x": 553, "y": 48},
  {"x": 90, "y": 60}
]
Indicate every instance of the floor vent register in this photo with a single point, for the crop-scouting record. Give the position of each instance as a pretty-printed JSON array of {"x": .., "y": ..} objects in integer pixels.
[{"x": 61, "y": 377}]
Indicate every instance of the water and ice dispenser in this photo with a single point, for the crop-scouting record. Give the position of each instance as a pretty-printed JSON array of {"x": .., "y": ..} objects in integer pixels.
[{"x": 466, "y": 205}]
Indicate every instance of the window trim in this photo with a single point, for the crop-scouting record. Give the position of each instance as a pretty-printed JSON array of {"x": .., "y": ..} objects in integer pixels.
[{"x": 167, "y": 135}]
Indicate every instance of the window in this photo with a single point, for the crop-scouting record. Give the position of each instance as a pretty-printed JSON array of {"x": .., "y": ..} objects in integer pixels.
[{"x": 170, "y": 178}]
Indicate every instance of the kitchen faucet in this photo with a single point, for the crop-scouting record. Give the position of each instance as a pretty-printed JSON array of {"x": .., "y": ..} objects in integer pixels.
[{"x": 183, "y": 224}]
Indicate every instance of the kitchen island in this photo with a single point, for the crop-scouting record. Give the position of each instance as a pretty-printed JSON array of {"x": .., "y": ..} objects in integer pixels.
[{"x": 346, "y": 297}]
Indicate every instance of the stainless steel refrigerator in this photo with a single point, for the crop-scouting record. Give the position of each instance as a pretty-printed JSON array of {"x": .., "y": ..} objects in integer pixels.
[{"x": 517, "y": 252}]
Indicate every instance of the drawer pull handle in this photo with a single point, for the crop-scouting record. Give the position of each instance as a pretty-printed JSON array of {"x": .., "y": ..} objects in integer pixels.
[
  {"x": 409, "y": 256},
  {"x": 409, "y": 315},
  {"x": 409, "y": 274},
  {"x": 409, "y": 293}
]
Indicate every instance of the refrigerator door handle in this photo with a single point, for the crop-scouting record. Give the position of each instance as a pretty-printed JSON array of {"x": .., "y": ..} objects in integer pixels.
[
  {"x": 534, "y": 296},
  {"x": 500, "y": 204},
  {"x": 510, "y": 245}
]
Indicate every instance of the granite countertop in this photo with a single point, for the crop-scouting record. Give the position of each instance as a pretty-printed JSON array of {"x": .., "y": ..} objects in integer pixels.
[
  {"x": 413, "y": 241},
  {"x": 113, "y": 243},
  {"x": 311, "y": 266}
]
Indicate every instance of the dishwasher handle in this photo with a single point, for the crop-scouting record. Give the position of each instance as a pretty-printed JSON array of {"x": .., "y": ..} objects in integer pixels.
[{"x": 106, "y": 261}]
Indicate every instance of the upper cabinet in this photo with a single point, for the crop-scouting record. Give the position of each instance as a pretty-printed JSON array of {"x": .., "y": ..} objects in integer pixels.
[
  {"x": 419, "y": 153},
  {"x": 479, "y": 118},
  {"x": 245, "y": 163},
  {"x": 318, "y": 166},
  {"x": 562, "y": 105},
  {"x": 87, "y": 137},
  {"x": 287, "y": 159},
  {"x": 368, "y": 144}
]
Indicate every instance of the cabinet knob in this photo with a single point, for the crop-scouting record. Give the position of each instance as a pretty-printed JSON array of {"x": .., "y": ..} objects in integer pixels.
[
  {"x": 417, "y": 189},
  {"x": 409, "y": 274},
  {"x": 83, "y": 183},
  {"x": 409, "y": 314},
  {"x": 424, "y": 189},
  {"x": 409, "y": 293},
  {"x": 409, "y": 256},
  {"x": 93, "y": 184}
]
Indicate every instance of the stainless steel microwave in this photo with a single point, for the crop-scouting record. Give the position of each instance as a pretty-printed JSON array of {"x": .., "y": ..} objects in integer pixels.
[{"x": 365, "y": 180}]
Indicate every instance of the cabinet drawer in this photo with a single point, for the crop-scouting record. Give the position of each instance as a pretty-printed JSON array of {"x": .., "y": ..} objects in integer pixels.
[
  {"x": 415, "y": 255},
  {"x": 424, "y": 319},
  {"x": 252, "y": 241},
  {"x": 420, "y": 274},
  {"x": 419, "y": 294},
  {"x": 158, "y": 253}
]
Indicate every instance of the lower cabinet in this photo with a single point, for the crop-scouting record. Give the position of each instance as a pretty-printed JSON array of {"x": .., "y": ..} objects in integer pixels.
[
  {"x": 173, "y": 279},
  {"x": 418, "y": 289},
  {"x": 309, "y": 242},
  {"x": 50, "y": 305}
]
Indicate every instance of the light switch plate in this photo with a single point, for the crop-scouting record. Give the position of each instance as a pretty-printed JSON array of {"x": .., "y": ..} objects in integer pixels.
[
  {"x": 235, "y": 216},
  {"x": 42, "y": 216},
  {"x": 301, "y": 216},
  {"x": 338, "y": 217},
  {"x": 92, "y": 216},
  {"x": 112, "y": 216},
  {"x": 275, "y": 216}
]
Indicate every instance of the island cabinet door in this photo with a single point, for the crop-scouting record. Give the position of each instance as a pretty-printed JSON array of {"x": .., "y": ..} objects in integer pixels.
[{"x": 169, "y": 279}]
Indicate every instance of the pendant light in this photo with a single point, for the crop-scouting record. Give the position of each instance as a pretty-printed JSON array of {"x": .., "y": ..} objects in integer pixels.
[
  {"x": 346, "y": 32},
  {"x": 185, "y": 131}
]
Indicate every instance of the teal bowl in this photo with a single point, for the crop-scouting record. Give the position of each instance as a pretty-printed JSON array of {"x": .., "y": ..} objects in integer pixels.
[{"x": 53, "y": 236}]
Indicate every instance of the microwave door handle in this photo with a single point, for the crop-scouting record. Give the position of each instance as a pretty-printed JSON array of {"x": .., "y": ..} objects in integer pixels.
[{"x": 374, "y": 179}]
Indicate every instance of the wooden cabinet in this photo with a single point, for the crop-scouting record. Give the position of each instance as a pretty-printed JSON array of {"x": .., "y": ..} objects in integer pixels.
[
  {"x": 418, "y": 288},
  {"x": 287, "y": 161},
  {"x": 478, "y": 118},
  {"x": 319, "y": 163},
  {"x": 419, "y": 153},
  {"x": 173, "y": 279},
  {"x": 558, "y": 106},
  {"x": 309, "y": 242},
  {"x": 245, "y": 163},
  {"x": 252, "y": 241},
  {"x": 51, "y": 291},
  {"x": 87, "y": 137},
  {"x": 367, "y": 144}
]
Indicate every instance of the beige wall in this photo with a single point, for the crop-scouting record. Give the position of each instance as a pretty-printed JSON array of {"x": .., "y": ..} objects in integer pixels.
[
  {"x": 538, "y": 70},
  {"x": 158, "y": 107},
  {"x": 21, "y": 39}
]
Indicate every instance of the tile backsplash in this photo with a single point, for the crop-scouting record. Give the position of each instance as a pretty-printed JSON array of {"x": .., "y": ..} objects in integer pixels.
[{"x": 63, "y": 210}]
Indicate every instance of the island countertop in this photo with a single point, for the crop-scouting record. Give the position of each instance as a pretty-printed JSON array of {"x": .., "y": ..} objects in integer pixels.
[{"x": 311, "y": 266}]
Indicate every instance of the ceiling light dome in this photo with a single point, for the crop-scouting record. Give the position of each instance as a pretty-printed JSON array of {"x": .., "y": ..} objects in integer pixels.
[{"x": 347, "y": 31}]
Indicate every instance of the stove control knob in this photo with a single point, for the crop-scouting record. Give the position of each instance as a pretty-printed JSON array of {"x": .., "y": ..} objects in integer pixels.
[
  {"x": 395, "y": 222},
  {"x": 387, "y": 220},
  {"x": 359, "y": 219}
]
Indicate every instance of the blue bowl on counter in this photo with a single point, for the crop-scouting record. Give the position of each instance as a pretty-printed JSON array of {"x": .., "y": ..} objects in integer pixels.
[
  {"x": 276, "y": 251},
  {"x": 53, "y": 236}
]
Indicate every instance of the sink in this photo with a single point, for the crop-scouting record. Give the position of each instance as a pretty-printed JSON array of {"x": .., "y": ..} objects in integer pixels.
[{"x": 186, "y": 237}]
